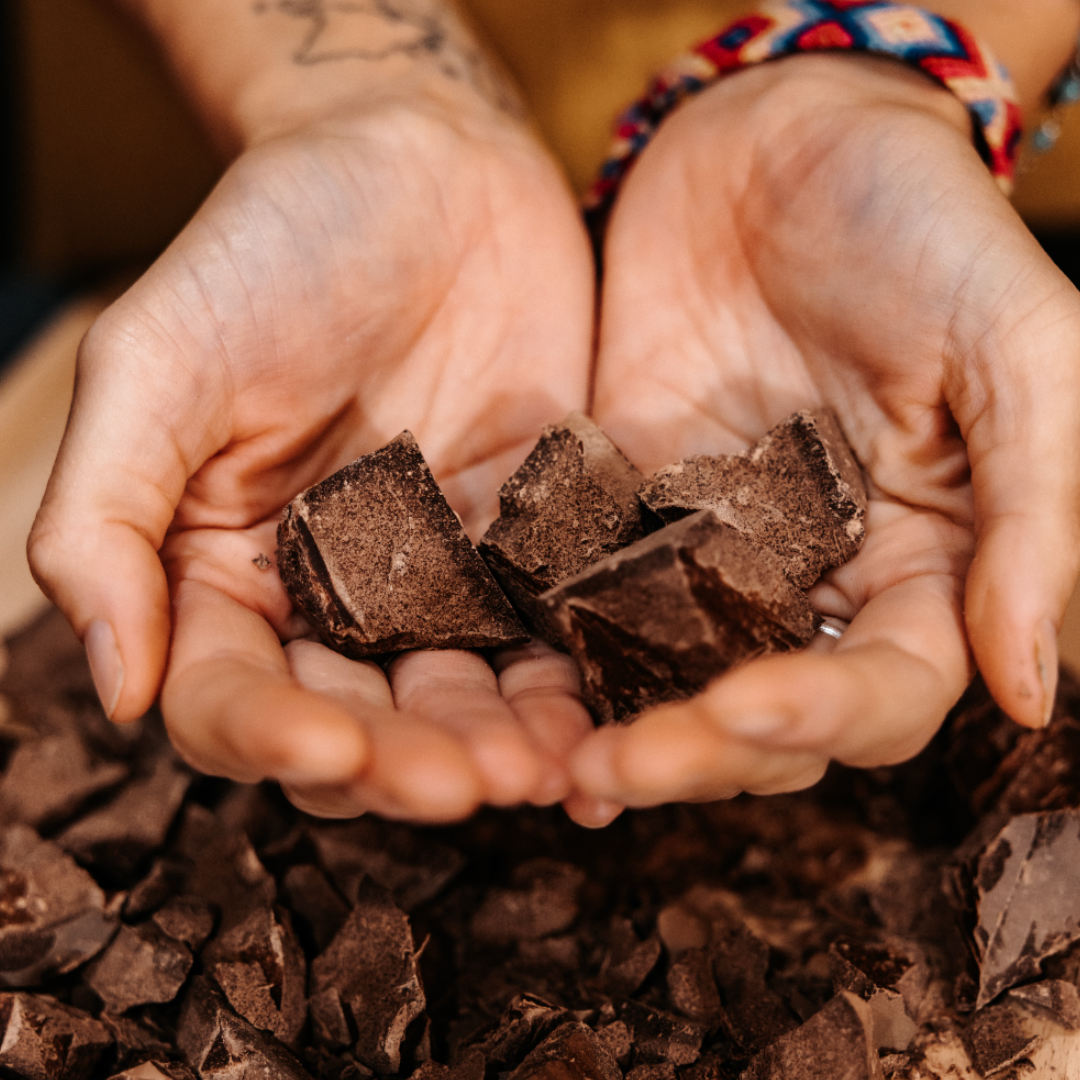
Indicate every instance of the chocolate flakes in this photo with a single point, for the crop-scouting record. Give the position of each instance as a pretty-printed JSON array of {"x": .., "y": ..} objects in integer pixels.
[{"x": 798, "y": 936}]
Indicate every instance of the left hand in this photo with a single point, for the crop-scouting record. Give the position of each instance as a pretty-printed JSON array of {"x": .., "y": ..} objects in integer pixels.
[{"x": 821, "y": 231}]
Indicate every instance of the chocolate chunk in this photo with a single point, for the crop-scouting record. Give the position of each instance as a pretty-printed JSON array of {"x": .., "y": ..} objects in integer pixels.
[
  {"x": 156, "y": 1070},
  {"x": 692, "y": 988},
  {"x": 572, "y": 503},
  {"x": 48, "y": 779},
  {"x": 1027, "y": 910},
  {"x": 365, "y": 988},
  {"x": 378, "y": 561},
  {"x": 164, "y": 878},
  {"x": 260, "y": 967},
  {"x": 413, "y": 868},
  {"x": 617, "y": 1040},
  {"x": 997, "y": 1038},
  {"x": 53, "y": 915},
  {"x": 835, "y": 1042},
  {"x": 798, "y": 491},
  {"x": 130, "y": 826},
  {"x": 660, "y": 619},
  {"x": 140, "y": 966},
  {"x": 44, "y": 1040},
  {"x": 1055, "y": 998},
  {"x": 315, "y": 902},
  {"x": 662, "y": 1071},
  {"x": 544, "y": 901},
  {"x": 661, "y": 1036},
  {"x": 891, "y": 977},
  {"x": 219, "y": 1044},
  {"x": 628, "y": 960},
  {"x": 527, "y": 1021},
  {"x": 471, "y": 1067},
  {"x": 186, "y": 920},
  {"x": 571, "y": 1052}
]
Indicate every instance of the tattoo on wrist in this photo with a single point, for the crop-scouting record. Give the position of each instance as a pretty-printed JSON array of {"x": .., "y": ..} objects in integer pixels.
[{"x": 375, "y": 30}]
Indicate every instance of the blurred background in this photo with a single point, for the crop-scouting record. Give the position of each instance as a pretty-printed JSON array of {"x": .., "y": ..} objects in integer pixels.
[{"x": 104, "y": 163}]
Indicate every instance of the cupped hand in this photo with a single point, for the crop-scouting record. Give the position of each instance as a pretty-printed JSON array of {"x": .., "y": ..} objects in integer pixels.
[
  {"x": 402, "y": 266},
  {"x": 820, "y": 231}
]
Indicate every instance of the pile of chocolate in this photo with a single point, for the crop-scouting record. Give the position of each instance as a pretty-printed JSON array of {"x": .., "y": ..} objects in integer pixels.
[
  {"x": 917, "y": 922},
  {"x": 654, "y": 586}
]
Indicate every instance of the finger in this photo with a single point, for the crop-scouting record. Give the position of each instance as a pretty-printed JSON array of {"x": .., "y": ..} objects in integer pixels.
[
  {"x": 233, "y": 709},
  {"x": 458, "y": 692},
  {"x": 1025, "y": 455},
  {"x": 590, "y": 812},
  {"x": 416, "y": 771},
  {"x": 677, "y": 754},
  {"x": 93, "y": 549},
  {"x": 543, "y": 689}
]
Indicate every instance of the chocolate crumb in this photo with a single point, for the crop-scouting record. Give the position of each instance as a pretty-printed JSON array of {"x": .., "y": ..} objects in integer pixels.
[{"x": 262, "y": 562}]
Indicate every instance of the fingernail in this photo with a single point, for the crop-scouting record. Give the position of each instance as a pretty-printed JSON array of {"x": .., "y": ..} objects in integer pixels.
[
  {"x": 106, "y": 665},
  {"x": 1046, "y": 660},
  {"x": 755, "y": 725}
]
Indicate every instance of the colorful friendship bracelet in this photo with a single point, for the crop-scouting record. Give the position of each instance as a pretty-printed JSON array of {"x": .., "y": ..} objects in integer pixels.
[{"x": 942, "y": 49}]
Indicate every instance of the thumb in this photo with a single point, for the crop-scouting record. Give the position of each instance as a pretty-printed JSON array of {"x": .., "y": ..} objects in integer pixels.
[
  {"x": 1024, "y": 449},
  {"x": 114, "y": 488}
]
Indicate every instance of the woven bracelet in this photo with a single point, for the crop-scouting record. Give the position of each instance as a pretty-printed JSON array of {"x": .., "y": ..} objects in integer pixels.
[{"x": 940, "y": 48}]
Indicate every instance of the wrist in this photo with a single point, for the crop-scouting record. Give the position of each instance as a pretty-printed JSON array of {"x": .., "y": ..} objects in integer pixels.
[{"x": 259, "y": 70}]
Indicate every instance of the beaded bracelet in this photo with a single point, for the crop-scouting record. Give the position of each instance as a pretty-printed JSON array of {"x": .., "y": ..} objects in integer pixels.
[{"x": 940, "y": 48}]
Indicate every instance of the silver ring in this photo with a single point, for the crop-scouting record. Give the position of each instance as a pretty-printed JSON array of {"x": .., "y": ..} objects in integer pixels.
[{"x": 833, "y": 627}]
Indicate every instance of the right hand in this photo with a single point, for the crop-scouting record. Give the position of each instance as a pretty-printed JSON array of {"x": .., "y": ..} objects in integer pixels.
[{"x": 404, "y": 265}]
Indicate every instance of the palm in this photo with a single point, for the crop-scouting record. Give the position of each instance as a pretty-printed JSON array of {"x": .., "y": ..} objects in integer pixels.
[
  {"x": 335, "y": 290},
  {"x": 754, "y": 269}
]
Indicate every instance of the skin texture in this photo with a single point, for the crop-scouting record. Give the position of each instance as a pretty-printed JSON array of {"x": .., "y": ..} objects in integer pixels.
[{"x": 392, "y": 247}]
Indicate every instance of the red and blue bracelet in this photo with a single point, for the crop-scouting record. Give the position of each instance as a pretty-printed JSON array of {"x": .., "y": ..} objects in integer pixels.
[{"x": 940, "y": 48}]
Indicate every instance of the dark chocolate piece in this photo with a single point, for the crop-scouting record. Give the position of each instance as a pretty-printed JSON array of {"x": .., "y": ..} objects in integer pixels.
[
  {"x": 660, "y": 619},
  {"x": 572, "y": 503},
  {"x": 53, "y": 915},
  {"x": 219, "y": 1045},
  {"x": 45, "y": 1040},
  {"x": 528, "y": 1020},
  {"x": 661, "y": 1036},
  {"x": 186, "y": 920},
  {"x": 315, "y": 902},
  {"x": 571, "y": 1052},
  {"x": 48, "y": 779},
  {"x": 141, "y": 965},
  {"x": 1055, "y": 998},
  {"x": 1027, "y": 908},
  {"x": 890, "y": 977},
  {"x": 543, "y": 902},
  {"x": 156, "y": 1070},
  {"x": 413, "y": 868},
  {"x": 134, "y": 823},
  {"x": 628, "y": 960},
  {"x": 692, "y": 988},
  {"x": 997, "y": 1038},
  {"x": 365, "y": 988},
  {"x": 378, "y": 561},
  {"x": 835, "y": 1043},
  {"x": 261, "y": 969},
  {"x": 798, "y": 491}
]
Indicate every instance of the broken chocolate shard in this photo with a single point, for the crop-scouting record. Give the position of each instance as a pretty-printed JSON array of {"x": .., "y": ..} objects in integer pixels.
[
  {"x": 365, "y": 988},
  {"x": 45, "y": 1040},
  {"x": 835, "y": 1043},
  {"x": 378, "y": 562},
  {"x": 571, "y": 1052},
  {"x": 628, "y": 960},
  {"x": 661, "y": 1037},
  {"x": 53, "y": 915},
  {"x": 798, "y": 491},
  {"x": 999, "y": 1037},
  {"x": 1027, "y": 911},
  {"x": 1055, "y": 998},
  {"x": 219, "y": 1044},
  {"x": 660, "y": 619},
  {"x": 544, "y": 901},
  {"x": 527, "y": 1021},
  {"x": 572, "y": 503},
  {"x": 142, "y": 965}
]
